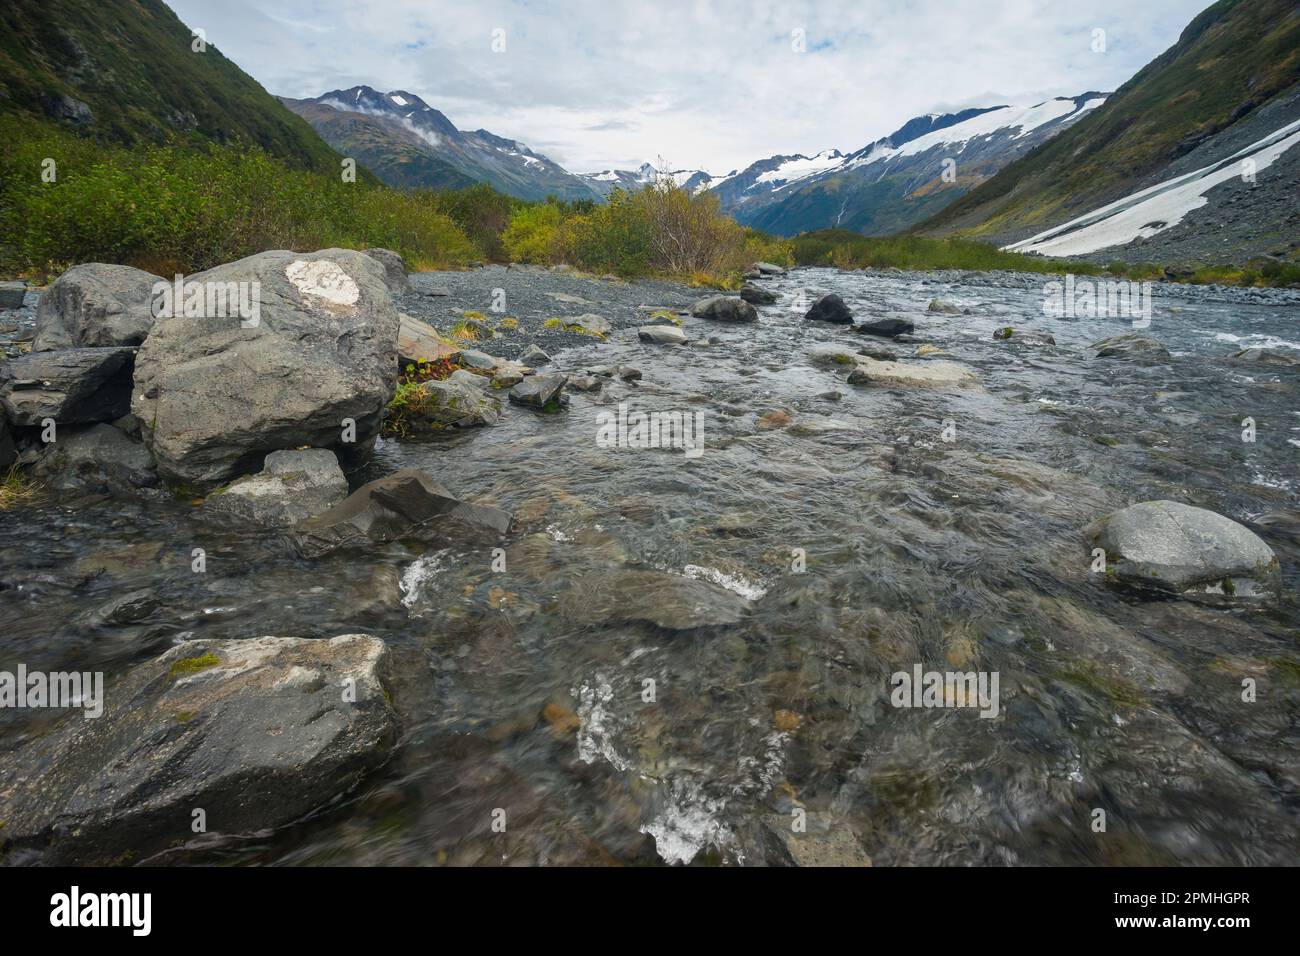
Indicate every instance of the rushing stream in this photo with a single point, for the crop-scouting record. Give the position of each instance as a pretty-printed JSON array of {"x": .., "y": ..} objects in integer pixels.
[{"x": 865, "y": 543}]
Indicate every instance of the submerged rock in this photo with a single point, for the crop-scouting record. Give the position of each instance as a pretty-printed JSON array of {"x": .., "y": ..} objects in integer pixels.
[
  {"x": 1131, "y": 345},
  {"x": 95, "y": 305},
  {"x": 256, "y": 733},
  {"x": 725, "y": 308},
  {"x": 1008, "y": 334},
  {"x": 947, "y": 308},
  {"x": 1176, "y": 548},
  {"x": 72, "y": 386},
  {"x": 830, "y": 308},
  {"x": 930, "y": 374},
  {"x": 406, "y": 504},
  {"x": 1267, "y": 357},
  {"x": 887, "y": 328},
  {"x": 216, "y": 394},
  {"x": 670, "y": 601},
  {"x": 292, "y": 486},
  {"x": 756, "y": 296}
]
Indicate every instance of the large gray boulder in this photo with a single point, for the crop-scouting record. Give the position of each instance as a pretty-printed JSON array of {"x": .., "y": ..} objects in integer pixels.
[
  {"x": 1172, "y": 547},
  {"x": 292, "y": 486},
  {"x": 255, "y": 733},
  {"x": 99, "y": 457},
  {"x": 72, "y": 386},
  {"x": 725, "y": 308},
  {"x": 215, "y": 395},
  {"x": 399, "y": 283},
  {"x": 95, "y": 304},
  {"x": 406, "y": 504}
]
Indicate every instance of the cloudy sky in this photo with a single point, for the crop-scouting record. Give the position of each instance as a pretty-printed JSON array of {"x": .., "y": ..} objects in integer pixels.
[{"x": 704, "y": 84}]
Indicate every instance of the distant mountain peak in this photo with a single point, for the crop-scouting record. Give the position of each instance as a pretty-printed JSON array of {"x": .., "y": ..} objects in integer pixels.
[{"x": 407, "y": 142}]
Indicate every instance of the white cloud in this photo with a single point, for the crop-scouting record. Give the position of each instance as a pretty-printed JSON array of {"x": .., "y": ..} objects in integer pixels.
[{"x": 711, "y": 84}]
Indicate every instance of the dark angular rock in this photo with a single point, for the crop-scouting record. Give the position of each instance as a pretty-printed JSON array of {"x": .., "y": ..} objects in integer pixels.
[
  {"x": 830, "y": 308},
  {"x": 540, "y": 391},
  {"x": 887, "y": 328},
  {"x": 71, "y": 386}
]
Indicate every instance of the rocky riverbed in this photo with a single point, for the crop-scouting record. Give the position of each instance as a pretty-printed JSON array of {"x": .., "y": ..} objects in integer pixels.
[{"x": 566, "y": 645}]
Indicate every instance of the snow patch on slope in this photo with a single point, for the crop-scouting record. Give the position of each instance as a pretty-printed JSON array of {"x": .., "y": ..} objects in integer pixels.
[{"x": 1157, "y": 208}]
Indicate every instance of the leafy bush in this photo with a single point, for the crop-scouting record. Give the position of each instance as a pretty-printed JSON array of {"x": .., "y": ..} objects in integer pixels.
[
  {"x": 173, "y": 208},
  {"x": 533, "y": 233}
]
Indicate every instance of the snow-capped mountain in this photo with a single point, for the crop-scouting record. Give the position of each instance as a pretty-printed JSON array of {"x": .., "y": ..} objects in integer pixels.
[
  {"x": 406, "y": 142},
  {"x": 604, "y": 182},
  {"x": 898, "y": 180}
]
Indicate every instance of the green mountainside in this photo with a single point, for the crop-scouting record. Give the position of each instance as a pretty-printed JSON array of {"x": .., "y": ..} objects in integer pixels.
[{"x": 1231, "y": 59}]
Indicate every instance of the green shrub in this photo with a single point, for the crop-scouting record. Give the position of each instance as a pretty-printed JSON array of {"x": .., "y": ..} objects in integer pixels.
[
  {"x": 533, "y": 233},
  {"x": 171, "y": 208}
]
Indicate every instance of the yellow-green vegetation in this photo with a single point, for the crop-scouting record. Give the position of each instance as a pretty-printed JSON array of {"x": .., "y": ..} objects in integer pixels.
[
  {"x": 661, "y": 230},
  {"x": 849, "y": 250},
  {"x": 181, "y": 208},
  {"x": 508, "y": 324},
  {"x": 15, "y": 488},
  {"x": 663, "y": 315},
  {"x": 532, "y": 235},
  {"x": 410, "y": 399},
  {"x": 574, "y": 327},
  {"x": 192, "y": 665},
  {"x": 467, "y": 331}
]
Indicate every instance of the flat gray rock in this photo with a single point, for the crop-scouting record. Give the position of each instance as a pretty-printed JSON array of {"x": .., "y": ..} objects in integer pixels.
[
  {"x": 292, "y": 486},
  {"x": 257, "y": 733},
  {"x": 661, "y": 335},
  {"x": 1175, "y": 547},
  {"x": 540, "y": 391}
]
